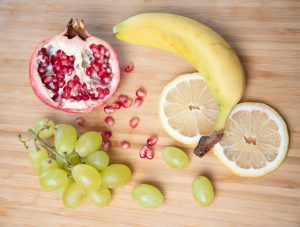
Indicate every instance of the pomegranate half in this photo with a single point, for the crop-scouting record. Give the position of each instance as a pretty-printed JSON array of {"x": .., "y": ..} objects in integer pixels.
[{"x": 74, "y": 71}]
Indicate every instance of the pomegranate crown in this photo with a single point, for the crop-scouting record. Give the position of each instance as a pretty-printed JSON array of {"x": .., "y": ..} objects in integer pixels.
[{"x": 76, "y": 28}]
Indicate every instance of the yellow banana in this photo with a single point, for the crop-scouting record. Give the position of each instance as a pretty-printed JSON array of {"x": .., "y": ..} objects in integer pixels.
[{"x": 207, "y": 51}]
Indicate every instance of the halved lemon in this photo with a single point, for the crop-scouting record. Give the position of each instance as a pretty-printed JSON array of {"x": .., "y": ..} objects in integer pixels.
[
  {"x": 255, "y": 140},
  {"x": 187, "y": 109}
]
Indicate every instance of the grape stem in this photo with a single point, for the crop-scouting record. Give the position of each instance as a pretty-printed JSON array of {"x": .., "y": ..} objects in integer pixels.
[{"x": 44, "y": 144}]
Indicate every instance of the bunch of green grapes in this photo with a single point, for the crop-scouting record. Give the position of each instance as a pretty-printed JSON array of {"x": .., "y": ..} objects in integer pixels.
[{"x": 74, "y": 166}]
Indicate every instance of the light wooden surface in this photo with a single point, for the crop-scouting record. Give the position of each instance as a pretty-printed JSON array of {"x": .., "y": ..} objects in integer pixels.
[{"x": 265, "y": 34}]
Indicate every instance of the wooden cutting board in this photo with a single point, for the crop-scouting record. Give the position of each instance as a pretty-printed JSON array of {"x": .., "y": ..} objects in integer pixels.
[{"x": 266, "y": 36}]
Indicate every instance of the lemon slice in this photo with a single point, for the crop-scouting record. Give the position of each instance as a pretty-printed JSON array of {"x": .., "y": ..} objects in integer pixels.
[
  {"x": 187, "y": 109},
  {"x": 255, "y": 140}
]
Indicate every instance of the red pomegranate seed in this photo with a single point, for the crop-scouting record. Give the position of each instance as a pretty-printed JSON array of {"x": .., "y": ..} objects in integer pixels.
[
  {"x": 125, "y": 144},
  {"x": 42, "y": 70},
  {"x": 89, "y": 71},
  {"x": 96, "y": 66},
  {"x": 151, "y": 141},
  {"x": 106, "y": 134},
  {"x": 47, "y": 79},
  {"x": 109, "y": 120},
  {"x": 97, "y": 55},
  {"x": 105, "y": 91},
  {"x": 134, "y": 122},
  {"x": 105, "y": 80},
  {"x": 80, "y": 121},
  {"x": 146, "y": 152},
  {"x": 94, "y": 47},
  {"x": 61, "y": 83},
  {"x": 128, "y": 68},
  {"x": 106, "y": 145},
  {"x": 54, "y": 96},
  {"x": 109, "y": 109},
  {"x": 116, "y": 105},
  {"x": 123, "y": 98},
  {"x": 72, "y": 58},
  {"x": 141, "y": 92},
  {"x": 138, "y": 102}
]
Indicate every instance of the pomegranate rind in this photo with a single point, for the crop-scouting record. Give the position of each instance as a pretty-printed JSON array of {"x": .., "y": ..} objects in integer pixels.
[{"x": 35, "y": 80}]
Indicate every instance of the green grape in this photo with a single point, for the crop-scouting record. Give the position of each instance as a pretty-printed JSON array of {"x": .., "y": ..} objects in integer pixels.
[
  {"x": 45, "y": 133},
  {"x": 73, "y": 158},
  {"x": 147, "y": 196},
  {"x": 87, "y": 176},
  {"x": 36, "y": 156},
  {"x": 203, "y": 191},
  {"x": 100, "y": 197},
  {"x": 88, "y": 143},
  {"x": 53, "y": 179},
  {"x": 175, "y": 157},
  {"x": 47, "y": 164},
  {"x": 73, "y": 195},
  {"x": 98, "y": 160},
  {"x": 59, "y": 193},
  {"x": 65, "y": 137},
  {"x": 116, "y": 175}
]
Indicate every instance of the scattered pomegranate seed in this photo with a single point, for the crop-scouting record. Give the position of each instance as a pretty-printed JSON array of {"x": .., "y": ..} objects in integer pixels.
[
  {"x": 127, "y": 103},
  {"x": 80, "y": 121},
  {"x": 128, "y": 68},
  {"x": 123, "y": 98},
  {"x": 140, "y": 92},
  {"x": 109, "y": 120},
  {"x": 138, "y": 102},
  {"x": 106, "y": 134},
  {"x": 146, "y": 152},
  {"x": 106, "y": 145},
  {"x": 116, "y": 105},
  {"x": 134, "y": 122},
  {"x": 151, "y": 141},
  {"x": 125, "y": 144},
  {"x": 109, "y": 109}
]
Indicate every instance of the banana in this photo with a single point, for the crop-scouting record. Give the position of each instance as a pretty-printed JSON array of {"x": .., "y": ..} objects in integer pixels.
[{"x": 207, "y": 51}]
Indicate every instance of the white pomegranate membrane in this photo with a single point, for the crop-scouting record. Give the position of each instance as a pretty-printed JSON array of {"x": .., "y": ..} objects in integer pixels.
[{"x": 74, "y": 74}]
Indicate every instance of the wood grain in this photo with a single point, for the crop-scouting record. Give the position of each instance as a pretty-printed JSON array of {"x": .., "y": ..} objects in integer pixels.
[{"x": 265, "y": 34}]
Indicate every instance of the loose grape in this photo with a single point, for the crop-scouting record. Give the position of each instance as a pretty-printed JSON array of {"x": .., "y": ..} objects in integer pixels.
[
  {"x": 100, "y": 197},
  {"x": 98, "y": 160},
  {"x": 36, "y": 156},
  {"x": 116, "y": 175},
  {"x": 175, "y": 157},
  {"x": 53, "y": 179},
  {"x": 47, "y": 132},
  {"x": 46, "y": 165},
  {"x": 203, "y": 191},
  {"x": 88, "y": 143},
  {"x": 65, "y": 137},
  {"x": 87, "y": 176},
  {"x": 147, "y": 196},
  {"x": 73, "y": 195}
]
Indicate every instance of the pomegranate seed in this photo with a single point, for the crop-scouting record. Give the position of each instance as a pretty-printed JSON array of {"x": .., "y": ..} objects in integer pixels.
[
  {"x": 47, "y": 79},
  {"x": 43, "y": 65},
  {"x": 134, "y": 122},
  {"x": 89, "y": 71},
  {"x": 100, "y": 60},
  {"x": 84, "y": 87},
  {"x": 60, "y": 53},
  {"x": 106, "y": 145},
  {"x": 138, "y": 102},
  {"x": 85, "y": 97},
  {"x": 106, "y": 134},
  {"x": 96, "y": 66},
  {"x": 151, "y": 141},
  {"x": 109, "y": 109},
  {"x": 141, "y": 92},
  {"x": 107, "y": 54},
  {"x": 60, "y": 76},
  {"x": 65, "y": 62},
  {"x": 146, "y": 152},
  {"x": 105, "y": 65},
  {"x": 128, "y": 68},
  {"x": 108, "y": 70},
  {"x": 55, "y": 86},
  {"x": 127, "y": 103},
  {"x": 55, "y": 96},
  {"x": 117, "y": 105},
  {"x": 109, "y": 120},
  {"x": 70, "y": 69},
  {"x": 101, "y": 72},
  {"x": 72, "y": 58},
  {"x": 42, "y": 70},
  {"x": 71, "y": 84},
  {"x": 105, "y": 91},
  {"x": 123, "y": 98},
  {"x": 94, "y": 47},
  {"x": 42, "y": 51},
  {"x": 97, "y": 55},
  {"x": 61, "y": 83},
  {"x": 76, "y": 78},
  {"x": 105, "y": 80},
  {"x": 63, "y": 70},
  {"x": 125, "y": 144},
  {"x": 80, "y": 121}
]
